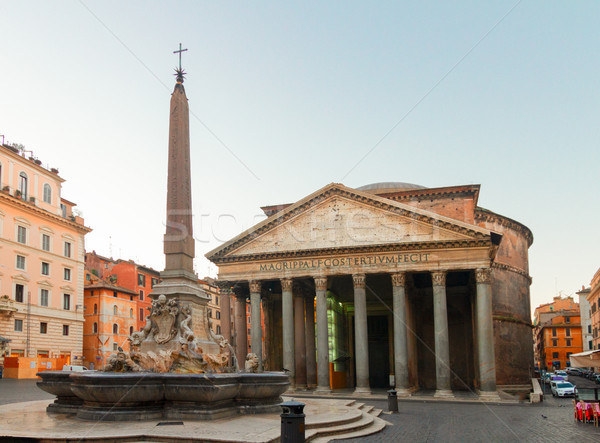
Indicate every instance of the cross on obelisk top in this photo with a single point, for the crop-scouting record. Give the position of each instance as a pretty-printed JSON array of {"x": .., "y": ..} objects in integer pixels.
[{"x": 179, "y": 52}]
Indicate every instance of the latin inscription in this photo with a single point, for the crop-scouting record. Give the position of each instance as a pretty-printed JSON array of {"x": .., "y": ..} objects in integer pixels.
[{"x": 345, "y": 262}]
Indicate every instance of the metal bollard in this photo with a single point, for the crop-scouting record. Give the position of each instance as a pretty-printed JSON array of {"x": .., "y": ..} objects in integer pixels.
[
  {"x": 392, "y": 401},
  {"x": 292, "y": 422}
]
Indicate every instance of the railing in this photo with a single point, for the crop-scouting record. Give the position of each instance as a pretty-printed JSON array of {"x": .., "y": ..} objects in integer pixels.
[
  {"x": 588, "y": 394},
  {"x": 7, "y": 304}
]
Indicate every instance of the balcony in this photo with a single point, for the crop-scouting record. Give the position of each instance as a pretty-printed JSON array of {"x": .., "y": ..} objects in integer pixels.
[{"x": 7, "y": 306}]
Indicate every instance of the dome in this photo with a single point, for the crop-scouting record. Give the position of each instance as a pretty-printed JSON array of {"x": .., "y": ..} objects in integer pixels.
[{"x": 388, "y": 187}]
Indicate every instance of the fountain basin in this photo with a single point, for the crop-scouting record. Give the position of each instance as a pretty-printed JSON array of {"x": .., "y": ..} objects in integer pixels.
[
  {"x": 110, "y": 396},
  {"x": 59, "y": 383}
]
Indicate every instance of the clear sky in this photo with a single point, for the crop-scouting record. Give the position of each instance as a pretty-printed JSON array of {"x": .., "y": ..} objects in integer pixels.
[{"x": 288, "y": 97}]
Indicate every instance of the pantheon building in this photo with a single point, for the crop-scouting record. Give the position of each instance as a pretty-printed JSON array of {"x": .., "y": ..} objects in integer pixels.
[{"x": 389, "y": 284}]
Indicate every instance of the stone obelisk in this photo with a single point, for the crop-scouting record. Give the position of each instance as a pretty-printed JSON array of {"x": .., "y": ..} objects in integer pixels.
[{"x": 178, "y": 279}]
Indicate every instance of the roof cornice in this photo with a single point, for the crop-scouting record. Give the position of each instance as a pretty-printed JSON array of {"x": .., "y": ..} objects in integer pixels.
[{"x": 28, "y": 207}]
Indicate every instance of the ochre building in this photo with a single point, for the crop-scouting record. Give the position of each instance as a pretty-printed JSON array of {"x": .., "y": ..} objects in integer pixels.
[
  {"x": 41, "y": 265},
  {"x": 388, "y": 284}
]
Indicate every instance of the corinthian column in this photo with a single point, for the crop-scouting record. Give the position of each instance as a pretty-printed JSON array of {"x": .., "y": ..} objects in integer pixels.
[
  {"x": 241, "y": 330},
  {"x": 442, "y": 344},
  {"x": 255, "y": 319},
  {"x": 287, "y": 320},
  {"x": 485, "y": 335},
  {"x": 400, "y": 342},
  {"x": 361, "y": 339},
  {"x": 300, "y": 339},
  {"x": 309, "y": 336},
  {"x": 322, "y": 336}
]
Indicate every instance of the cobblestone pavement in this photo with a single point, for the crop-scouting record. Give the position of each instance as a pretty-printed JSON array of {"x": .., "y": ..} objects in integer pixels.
[
  {"x": 550, "y": 421},
  {"x": 15, "y": 391}
]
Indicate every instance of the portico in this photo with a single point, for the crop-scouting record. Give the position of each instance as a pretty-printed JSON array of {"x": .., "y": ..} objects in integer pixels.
[{"x": 365, "y": 288}]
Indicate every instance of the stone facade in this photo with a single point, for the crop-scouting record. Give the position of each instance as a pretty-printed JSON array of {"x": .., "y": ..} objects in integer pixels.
[
  {"x": 42, "y": 262},
  {"x": 420, "y": 284}
]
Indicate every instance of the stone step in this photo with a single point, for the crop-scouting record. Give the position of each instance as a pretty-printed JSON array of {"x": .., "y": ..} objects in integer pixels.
[
  {"x": 376, "y": 412},
  {"x": 367, "y": 408},
  {"x": 377, "y": 425},
  {"x": 328, "y": 433}
]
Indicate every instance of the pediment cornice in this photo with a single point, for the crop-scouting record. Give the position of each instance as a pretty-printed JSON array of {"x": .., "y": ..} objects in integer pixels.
[{"x": 475, "y": 234}]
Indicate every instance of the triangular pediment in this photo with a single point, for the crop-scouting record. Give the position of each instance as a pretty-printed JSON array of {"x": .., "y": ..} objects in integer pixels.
[{"x": 339, "y": 217}]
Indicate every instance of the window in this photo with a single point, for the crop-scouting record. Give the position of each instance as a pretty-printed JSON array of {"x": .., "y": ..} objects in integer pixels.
[
  {"x": 67, "y": 250},
  {"x": 553, "y": 332},
  {"x": 95, "y": 308},
  {"x": 23, "y": 185},
  {"x": 44, "y": 297},
  {"x": 20, "y": 262},
  {"x": 210, "y": 313},
  {"x": 115, "y": 294},
  {"x": 130, "y": 330},
  {"x": 218, "y": 315},
  {"x": 65, "y": 329},
  {"x": 554, "y": 343},
  {"x": 141, "y": 280},
  {"x": 45, "y": 242},
  {"x": 63, "y": 210},
  {"x": 67, "y": 274},
  {"x": 141, "y": 313},
  {"x": 43, "y": 328},
  {"x": 568, "y": 355},
  {"x": 66, "y": 303},
  {"x": 115, "y": 347},
  {"x": 568, "y": 342},
  {"x": 47, "y": 193},
  {"x": 19, "y": 290},
  {"x": 141, "y": 295},
  {"x": 555, "y": 355},
  {"x": 567, "y": 319},
  {"x": 591, "y": 344},
  {"x": 589, "y": 329},
  {"x": 45, "y": 268},
  {"x": 217, "y": 300},
  {"x": 22, "y": 234},
  {"x": 218, "y": 330},
  {"x": 568, "y": 332},
  {"x": 18, "y": 325},
  {"x": 153, "y": 282},
  {"x": 115, "y": 328},
  {"x": 131, "y": 313},
  {"x": 115, "y": 310},
  {"x": 95, "y": 328}
]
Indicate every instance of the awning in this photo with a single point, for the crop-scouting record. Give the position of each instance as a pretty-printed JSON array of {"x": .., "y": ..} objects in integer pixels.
[{"x": 587, "y": 359}]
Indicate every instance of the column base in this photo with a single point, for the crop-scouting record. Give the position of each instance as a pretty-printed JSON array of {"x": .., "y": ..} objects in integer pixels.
[
  {"x": 443, "y": 393},
  {"x": 403, "y": 392},
  {"x": 491, "y": 396},
  {"x": 362, "y": 391},
  {"x": 323, "y": 390}
]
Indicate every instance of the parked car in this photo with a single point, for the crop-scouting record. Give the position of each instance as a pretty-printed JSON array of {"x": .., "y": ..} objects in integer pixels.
[
  {"x": 74, "y": 368},
  {"x": 561, "y": 373},
  {"x": 563, "y": 389},
  {"x": 574, "y": 371}
]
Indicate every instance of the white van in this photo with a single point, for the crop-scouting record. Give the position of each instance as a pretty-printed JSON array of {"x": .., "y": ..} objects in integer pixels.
[{"x": 74, "y": 368}]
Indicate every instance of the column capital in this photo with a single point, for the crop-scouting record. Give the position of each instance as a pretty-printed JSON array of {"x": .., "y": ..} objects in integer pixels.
[
  {"x": 321, "y": 283},
  {"x": 254, "y": 286},
  {"x": 359, "y": 280},
  {"x": 483, "y": 275},
  {"x": 438, "y": 278},
  {"x": 286, "y": 284},
  {"x": 238, "y": 291},
  {"x": 399, "y": 279}
]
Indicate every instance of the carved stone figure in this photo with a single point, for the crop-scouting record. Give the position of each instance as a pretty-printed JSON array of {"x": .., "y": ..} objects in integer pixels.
[
  {"x": 164, "y": 314},
  {"x": 121, "y": 362},
  {"x": 251, "y": 362}
]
